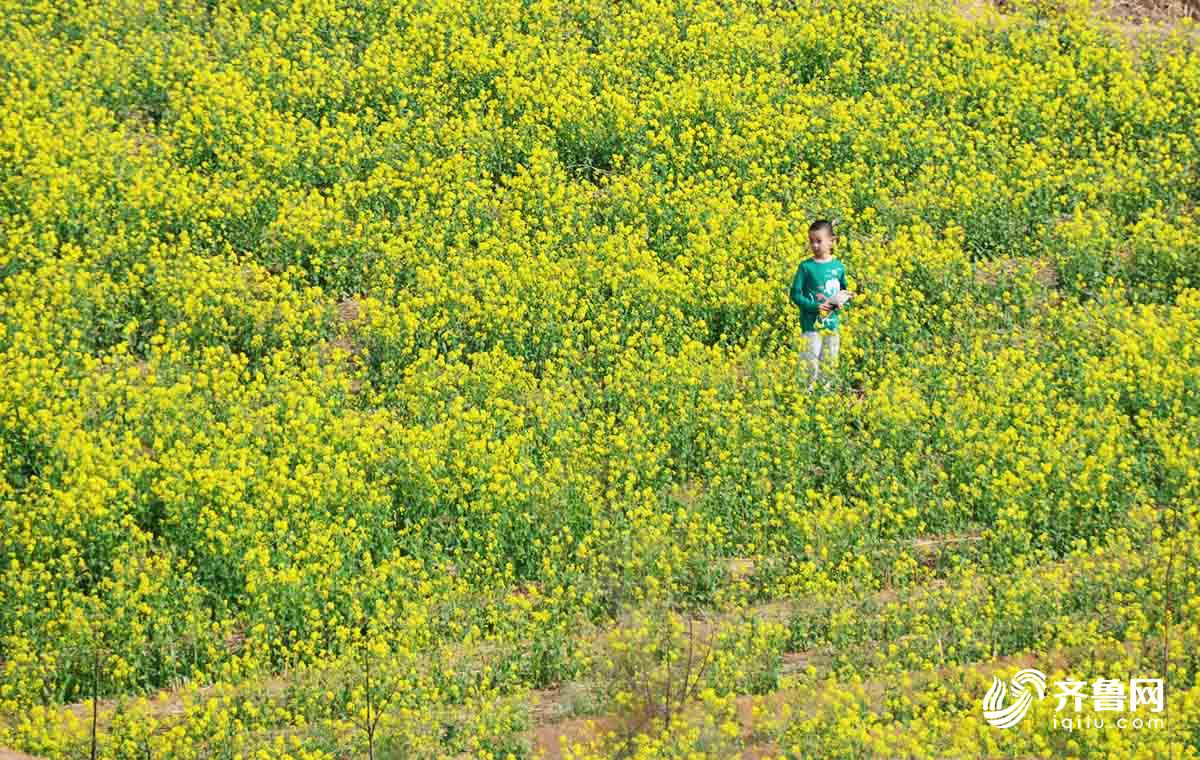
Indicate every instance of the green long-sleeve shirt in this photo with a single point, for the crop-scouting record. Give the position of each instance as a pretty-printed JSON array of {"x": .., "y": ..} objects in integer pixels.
[{"x": 813, "y": 277}]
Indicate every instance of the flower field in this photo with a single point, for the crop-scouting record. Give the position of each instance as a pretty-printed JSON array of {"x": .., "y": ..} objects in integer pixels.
[{"x": 417, "y": 378}]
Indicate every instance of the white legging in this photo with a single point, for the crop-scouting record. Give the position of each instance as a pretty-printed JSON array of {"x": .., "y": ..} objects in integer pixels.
[{"x": 820, "y": 349}]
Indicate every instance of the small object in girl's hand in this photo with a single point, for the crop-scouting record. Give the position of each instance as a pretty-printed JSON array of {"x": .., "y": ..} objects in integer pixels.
[{"x": 831, "y": 305}]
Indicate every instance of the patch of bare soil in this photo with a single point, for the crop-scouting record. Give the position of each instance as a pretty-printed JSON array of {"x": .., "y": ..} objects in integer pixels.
[
  {"x": 163, "y": 704},
  {"x": 1160, "y": 11},
  {"x": 1138, "y": 22},
  {"x": 1143, "y": 23},
  {"x": 348, "y": 311},
  {"x": 992, "y": 271},
  {"x": 933, "y": 543},
  {"x": 550, "y": 740},
  {"x": 754, "y": 713},
  {"x": 1156, "y": 11},
  {"x": 140, "y": 131}
]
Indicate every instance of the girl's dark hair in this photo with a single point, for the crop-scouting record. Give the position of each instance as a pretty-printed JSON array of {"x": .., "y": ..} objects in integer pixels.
[{"x": 821, "y": 224}]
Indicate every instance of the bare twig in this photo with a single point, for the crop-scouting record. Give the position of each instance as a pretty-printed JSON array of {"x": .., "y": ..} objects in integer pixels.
[
  {"x": 1168, "y": 614},
  {"x": 95, "y": 698}
]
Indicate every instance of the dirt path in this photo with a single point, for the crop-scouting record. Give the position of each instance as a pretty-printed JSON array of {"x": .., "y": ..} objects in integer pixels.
[
  {"x": 556, "y": 716},
  {"x": 548, "y": 739}
]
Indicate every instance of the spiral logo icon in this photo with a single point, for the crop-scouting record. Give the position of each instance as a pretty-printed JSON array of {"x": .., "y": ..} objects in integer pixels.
[{"x": 1024, "y": 684}]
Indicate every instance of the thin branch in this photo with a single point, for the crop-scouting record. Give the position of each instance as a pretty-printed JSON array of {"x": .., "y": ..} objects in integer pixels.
[
  {"x": 370, "y": 726},
  {"x": 687, "y": 673},
  {"x": 667, "y": 707},
  {"x": 95, "y": 697},
  {"x": 1168, "y": 614},
  {"x": 710, "y": 647}
]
